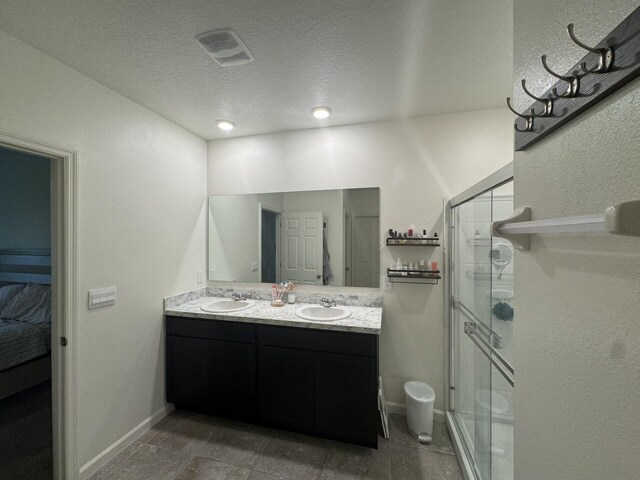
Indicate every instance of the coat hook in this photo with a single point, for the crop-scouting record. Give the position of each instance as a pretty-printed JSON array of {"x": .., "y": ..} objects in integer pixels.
[
  {"x": 528, "y": 118},
  {"x": 548, "y": 102},
  {"x": 605, "y": 55},
  {"x": 574, "y": 82}
]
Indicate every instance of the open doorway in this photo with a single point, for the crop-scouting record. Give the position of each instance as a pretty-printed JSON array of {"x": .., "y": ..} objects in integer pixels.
[
  {"x": 37, "y": 235},
  {"x": 269, "y": 251},
  {"x": 26, "y": 402}
]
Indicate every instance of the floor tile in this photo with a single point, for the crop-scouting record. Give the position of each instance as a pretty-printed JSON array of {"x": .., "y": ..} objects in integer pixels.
[
  {"x": 418, "y": 464},
  {"x": 290, "y": 459},
  {"x": 153, "y": 463},
  {"x": 399, "y": 433},
  {"x": 236, "y": 446},
  {"x": 206, "y": 469},
  {"x": 351, "y": 462},
  {"x": 190, "y": 446},
  {"x": 154, "y": 430},
  {"x": 256, "y": 475},
  {"x": 107, "y": 471},
  {"x": 184, "y": 433}
]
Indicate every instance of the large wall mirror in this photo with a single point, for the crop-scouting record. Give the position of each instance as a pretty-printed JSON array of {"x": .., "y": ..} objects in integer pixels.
[{"x": 325, "y": 237}]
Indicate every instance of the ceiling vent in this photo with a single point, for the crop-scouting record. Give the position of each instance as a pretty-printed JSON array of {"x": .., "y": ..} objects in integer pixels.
[{"x": 225, "y": 47}]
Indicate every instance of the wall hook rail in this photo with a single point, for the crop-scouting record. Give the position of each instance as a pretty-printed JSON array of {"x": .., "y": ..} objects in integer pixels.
[
  {"x": 547, "y": 102},
  {"x": 604, "y": 67},
  {"x": 620, "y": 219},
  {"x": 528, "y": 118},
  {"x": 573, "y": 81},
  {"x": 605, "y": 55}
]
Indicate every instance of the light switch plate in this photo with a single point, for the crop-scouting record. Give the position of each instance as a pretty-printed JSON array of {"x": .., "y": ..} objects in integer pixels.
[
  {"x": 101, "y": 297},
  {"x": 254, "y": 266},
  {"x": 200, "y": 276}
]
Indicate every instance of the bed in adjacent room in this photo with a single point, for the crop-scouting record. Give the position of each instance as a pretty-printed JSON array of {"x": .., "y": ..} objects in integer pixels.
[{"x": 25, "y": 321}]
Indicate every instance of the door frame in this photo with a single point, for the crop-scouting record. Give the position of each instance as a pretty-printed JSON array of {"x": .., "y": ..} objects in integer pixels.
[
  {"x": 278, "y": 238},
  {"x": 354, "y": 219},
  {"x": 64, "y": 234}
]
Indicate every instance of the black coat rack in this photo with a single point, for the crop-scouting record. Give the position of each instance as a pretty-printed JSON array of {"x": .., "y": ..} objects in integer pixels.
[{"x": 608, "y": 66}]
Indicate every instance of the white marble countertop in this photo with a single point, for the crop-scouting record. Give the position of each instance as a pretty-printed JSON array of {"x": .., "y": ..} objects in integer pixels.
[{"x": 361, "y": 320}]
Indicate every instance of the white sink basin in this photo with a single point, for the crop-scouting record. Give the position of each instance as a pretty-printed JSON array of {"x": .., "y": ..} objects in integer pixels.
[
  {"x": 323, "y": 314},
  {"x": 225, "y": 306}
]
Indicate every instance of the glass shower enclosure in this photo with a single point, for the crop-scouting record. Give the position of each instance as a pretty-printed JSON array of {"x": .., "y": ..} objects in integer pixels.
[{"x": 481, "y": 317}]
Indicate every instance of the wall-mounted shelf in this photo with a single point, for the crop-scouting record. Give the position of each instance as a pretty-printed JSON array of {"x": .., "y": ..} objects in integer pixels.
[
  {"x": 413, "y": 242},
  {"x": 413, "y": 276}
]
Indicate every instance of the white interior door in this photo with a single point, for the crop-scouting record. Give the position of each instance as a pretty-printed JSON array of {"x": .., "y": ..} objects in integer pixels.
[
  {"x": 366, "y": 252},
  {"x": 302, "y": 247}
]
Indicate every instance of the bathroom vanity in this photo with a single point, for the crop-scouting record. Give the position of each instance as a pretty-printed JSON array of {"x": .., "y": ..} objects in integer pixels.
[{"x": 268, "y": 366}]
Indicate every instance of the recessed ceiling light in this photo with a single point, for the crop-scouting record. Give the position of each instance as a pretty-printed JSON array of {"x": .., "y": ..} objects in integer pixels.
[
  {"x": 225, "y": 125},
  {"x": 321, "y": 112}
]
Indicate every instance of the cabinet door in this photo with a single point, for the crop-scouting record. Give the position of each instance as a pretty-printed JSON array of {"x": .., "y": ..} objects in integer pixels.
[
  {"x": 188, "y": 371},
  {"x": 286, "y": 387},
  {"x": 346, "y": 398},
  {"x": 233, "y": 379}
]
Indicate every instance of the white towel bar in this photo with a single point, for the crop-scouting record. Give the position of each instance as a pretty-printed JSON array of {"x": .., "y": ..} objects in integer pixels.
[{"x": 620, "y": 219}]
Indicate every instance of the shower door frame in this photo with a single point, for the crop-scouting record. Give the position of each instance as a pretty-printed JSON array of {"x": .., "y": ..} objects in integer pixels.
[{"x": 496, "y": 179}]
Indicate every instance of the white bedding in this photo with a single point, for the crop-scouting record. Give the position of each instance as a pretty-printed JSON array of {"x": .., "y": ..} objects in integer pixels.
[{"x": 25, "y": 323}]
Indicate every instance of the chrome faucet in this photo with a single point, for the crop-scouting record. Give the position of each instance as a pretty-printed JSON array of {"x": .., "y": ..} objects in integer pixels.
[
  {"x": 325, "y": 302},
  {"x": 238, "y": 296}
]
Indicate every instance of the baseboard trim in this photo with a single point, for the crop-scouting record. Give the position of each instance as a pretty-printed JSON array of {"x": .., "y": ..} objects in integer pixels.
[
  {"x": 401, "y": 409},
  {"x": 109, "y": 453}
]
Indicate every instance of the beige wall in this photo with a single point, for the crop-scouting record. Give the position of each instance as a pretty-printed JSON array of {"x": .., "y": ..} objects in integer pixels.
[
  {"x": 141, "y": 227},
  {"x": 416, "y": 164},
  {"x": 577, "y": 330}
]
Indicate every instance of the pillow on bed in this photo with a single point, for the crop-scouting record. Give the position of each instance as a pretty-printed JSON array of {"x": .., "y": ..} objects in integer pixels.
[
  {"x": 8, "y": 292},
  {"x": 32, "y": 305}
]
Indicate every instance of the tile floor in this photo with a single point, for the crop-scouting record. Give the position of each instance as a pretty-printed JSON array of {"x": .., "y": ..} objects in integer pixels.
[{"x": 190, "y": 446}]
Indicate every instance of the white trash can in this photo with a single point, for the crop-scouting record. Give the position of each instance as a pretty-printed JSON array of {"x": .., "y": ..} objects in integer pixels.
[{"x": 419, "y": 399}]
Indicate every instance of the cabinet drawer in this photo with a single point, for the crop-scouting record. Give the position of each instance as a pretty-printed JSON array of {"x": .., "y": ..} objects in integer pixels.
[
  {"x": 211, "y": 329},
  {"x": 318, "y": 340}
]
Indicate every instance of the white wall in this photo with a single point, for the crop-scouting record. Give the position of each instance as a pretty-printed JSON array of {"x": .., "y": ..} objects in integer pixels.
[
  {"x": 234, "y": 235},
  {"x": 25, "y": 213},
  {"x": 141, "y": 227},
  {"x": 417, "y": 164},
  {"x": 577, "y": 331}
]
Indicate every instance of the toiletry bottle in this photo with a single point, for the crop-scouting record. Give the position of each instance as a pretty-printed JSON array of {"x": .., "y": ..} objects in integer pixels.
[{"x": 435, "y": 239}]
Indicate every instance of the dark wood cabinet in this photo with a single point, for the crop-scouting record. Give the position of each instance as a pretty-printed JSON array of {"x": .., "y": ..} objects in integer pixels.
[
  {"x": 286, "y": 387},
  {"x": 313, "y": 381},
  {"x": 188, "y": 376},
  {"x": 346, "y": 397},
  {"x": 233, "y": 379}
]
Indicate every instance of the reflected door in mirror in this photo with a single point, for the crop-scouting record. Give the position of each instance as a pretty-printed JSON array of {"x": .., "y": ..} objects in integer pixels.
[{"x": 302, "y": 247}]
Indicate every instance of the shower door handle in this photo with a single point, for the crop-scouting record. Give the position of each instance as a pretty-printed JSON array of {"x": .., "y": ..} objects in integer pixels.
[{"x": 502, "y": 365}]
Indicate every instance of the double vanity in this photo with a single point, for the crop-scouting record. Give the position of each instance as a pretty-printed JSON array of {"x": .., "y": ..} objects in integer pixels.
[{"x": 305, "y": 367}]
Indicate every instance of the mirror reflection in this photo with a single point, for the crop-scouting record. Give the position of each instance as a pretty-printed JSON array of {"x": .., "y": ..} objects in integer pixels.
[{"x": 324, "y": 237}]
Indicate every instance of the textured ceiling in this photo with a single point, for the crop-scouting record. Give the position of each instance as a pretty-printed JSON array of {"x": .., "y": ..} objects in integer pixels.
[{"x": 368, "y": 60}]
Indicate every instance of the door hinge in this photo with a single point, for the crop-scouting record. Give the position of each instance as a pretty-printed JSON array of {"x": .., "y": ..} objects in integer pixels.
[
  {"x": 63, "y": 341},
  {"x": 452, "y": 387}
]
